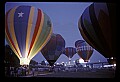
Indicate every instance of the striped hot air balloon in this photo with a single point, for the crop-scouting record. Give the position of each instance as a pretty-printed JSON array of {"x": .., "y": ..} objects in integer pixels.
[
  {"x": 84, "y": 50},
  {"x": 54, "y": 48},
  {"x": 27, "y": 31},
  {"x": 69, "y": 52},
  {"x": 97, "y": 25}
]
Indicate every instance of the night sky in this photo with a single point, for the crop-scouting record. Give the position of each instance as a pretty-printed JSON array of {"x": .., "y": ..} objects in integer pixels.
[{"x": 64, "y": 17}]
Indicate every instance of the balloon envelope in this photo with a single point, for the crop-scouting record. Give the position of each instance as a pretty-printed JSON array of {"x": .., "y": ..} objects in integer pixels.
[
  {"x": 54, "y": 48},
  {"x": 69, "y": 52},
  {"x": 84, "y": 50},
  {"x": 97, "y": 26},
  {"x": 27, "y": 30}
]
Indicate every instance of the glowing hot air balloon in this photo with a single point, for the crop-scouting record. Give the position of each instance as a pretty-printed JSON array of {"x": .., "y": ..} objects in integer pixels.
[
  {"x": 27, "y": 30},
  {"x": 69, "y": 52},
  {"x": 54, "y": 48},
  {"x": 97, "y": 25},
  {"x": 84, "y": 50}
]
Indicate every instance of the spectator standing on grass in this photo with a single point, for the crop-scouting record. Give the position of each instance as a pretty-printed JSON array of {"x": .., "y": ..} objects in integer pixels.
[
  {"x": 15, "y": 71},
  {"x": 19, "y": 72},
  {"x": 33, "y": 71}
]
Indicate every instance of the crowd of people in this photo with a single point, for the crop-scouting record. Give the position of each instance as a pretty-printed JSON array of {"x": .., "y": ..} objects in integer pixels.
[
  {"x": 25, "y": 70},
  {"x": 16, "y": 71}
]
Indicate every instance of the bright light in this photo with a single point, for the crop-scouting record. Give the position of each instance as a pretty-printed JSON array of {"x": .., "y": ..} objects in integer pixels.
[
  {"x": 24, "y": 61},
  {"x": 81, "y": 60},
  {"x": 114, "y": 64},
  {"x": 84, "y": 65},
  {"x": 111, "y": 58},
  {"x": 62, "y": 62},
  {"x": 45, "y": 61},
  {"x": 65, "y": 64}
]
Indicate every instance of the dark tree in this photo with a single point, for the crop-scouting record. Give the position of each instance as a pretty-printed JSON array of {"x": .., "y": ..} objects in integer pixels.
[{"x": 10, "y": 57}]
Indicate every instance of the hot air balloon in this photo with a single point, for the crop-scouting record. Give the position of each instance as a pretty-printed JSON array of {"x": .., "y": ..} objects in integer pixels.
[
  {"x": 97, "y": 26},
  {"x": 84, "y": 50},
  {"x": 27, "y": 31},
  {"x": 69, "y": 52},
  {"x": 54, "y": 48}
]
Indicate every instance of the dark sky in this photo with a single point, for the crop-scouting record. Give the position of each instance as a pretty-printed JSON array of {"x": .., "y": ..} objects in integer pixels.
[{"x": 64, "y": 17}]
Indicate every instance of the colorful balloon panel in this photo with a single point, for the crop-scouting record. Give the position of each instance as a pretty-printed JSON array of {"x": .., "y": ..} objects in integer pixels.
[
  {"x": 54, "y": 48},
  {"x": 69, "y": 52},
  {"x": 84, "y": 50},
  {"x": 27, "y": 30},
  {"x": 97, "y": 26}
]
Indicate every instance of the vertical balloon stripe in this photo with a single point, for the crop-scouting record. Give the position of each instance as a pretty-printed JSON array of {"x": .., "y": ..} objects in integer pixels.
[
  {"x": 10, "y": 40},
  {"x": 95, "y": 23},
  {"x": 80, "y": 54},
  {"x": 83, "y": 55},
  {"x": 43, "y": 33},
  {"x": 88, "y": 25},
  {"x": 37, "y": 35},
  {"x": 7, "y": 25},
  {"x": 90, "y": 30},
  {"x": 98, "y": 7},
  {"x": 33, "y": 25},
  {"x": 35, "y": 15},
  {"x": 31, "y": 15},
  {"x": 104, "y": 23},
  {"x": 20, "y": 25},
  {"x": 86, "y": 15},
  {"x": 88, "y": 52},
  {"x": 12, "y": 32},
  {"x": 35, "y": 31},
  {"x": 47, "y": 39},
  {"x": 87, "y": 35},
  {"x": 10, "y": 44},
  {"x": 66, "y": 52},
  {"x": 8, "y": 35},
  {"x": 38, "y": 40},
  {"x": 72, "y": 50},
  {"x": 83, "y": 35}
]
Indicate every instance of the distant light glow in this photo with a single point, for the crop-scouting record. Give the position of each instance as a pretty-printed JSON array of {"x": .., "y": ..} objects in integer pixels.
[
  {"x": 109, "y": 65},
  {"x": 99, "y": 60},
  {"x": 84, "y": 65},
  {"x": 114, "y": 64},
  {"x": 62, "y": 62},
  {"x": 74, "y": 61},
  {"x": 45, "y": 61},
  {"x": 111, "y": 58},
  {"x": 65, "y": 65}
]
